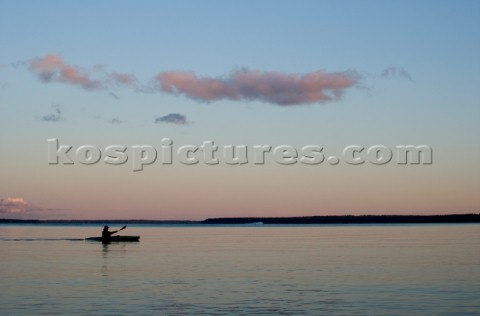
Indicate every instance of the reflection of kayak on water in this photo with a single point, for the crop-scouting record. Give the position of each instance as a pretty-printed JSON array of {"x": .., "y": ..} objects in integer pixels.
[{"x": 115, "y": 238}]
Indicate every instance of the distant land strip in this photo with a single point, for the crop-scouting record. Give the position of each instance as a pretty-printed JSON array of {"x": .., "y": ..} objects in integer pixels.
[
  {"x": 317, "y": 220},
  {"x": 351, "y": 219}
]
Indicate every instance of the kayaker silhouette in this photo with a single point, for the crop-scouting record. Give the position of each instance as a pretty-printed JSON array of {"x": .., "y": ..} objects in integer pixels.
[{"x": 107, "y": 235}]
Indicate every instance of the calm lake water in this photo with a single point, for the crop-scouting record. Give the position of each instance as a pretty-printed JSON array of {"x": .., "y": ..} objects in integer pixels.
[{"x": 289, "y": 270}]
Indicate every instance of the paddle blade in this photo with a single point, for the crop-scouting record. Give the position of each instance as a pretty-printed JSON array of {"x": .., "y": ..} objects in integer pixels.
[{"x": 123, "y": 227}]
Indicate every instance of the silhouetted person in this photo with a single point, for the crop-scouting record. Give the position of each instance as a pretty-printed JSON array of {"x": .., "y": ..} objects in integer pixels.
[{"x": 107, "y": 235}]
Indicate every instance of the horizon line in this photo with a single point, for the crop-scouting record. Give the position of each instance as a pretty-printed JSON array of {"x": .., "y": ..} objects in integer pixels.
[{"x": 315, "y": 219}]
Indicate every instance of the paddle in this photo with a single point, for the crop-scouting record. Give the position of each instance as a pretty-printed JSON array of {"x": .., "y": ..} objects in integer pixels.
[{"x": 121, "y": 229}]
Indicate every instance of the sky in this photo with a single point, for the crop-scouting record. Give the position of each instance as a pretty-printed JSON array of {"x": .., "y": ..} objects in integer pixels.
[{"x": 161, "y": 76}]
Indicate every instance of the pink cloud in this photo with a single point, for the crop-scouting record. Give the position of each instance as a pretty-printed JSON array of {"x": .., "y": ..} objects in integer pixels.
[
  {"x": 17, "y": 207},
  {"x": 13, "y": 205},
  {"x": 120, "y": 78},
  {"x": 244, "y": 84},
  {"x": 52, "y": 68},
  {"x": 271, "y": 87}
]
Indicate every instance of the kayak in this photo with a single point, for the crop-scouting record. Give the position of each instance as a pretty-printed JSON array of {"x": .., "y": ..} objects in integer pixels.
[{"x": 115, "y": 238}]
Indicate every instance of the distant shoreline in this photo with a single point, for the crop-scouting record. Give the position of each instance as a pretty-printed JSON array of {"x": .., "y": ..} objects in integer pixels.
[{"x": 304, "y": 220}]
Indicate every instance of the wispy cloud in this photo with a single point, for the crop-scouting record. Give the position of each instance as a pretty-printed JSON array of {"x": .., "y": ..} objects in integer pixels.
[
  {"x": 52, "y": 68},
  {"x": 13, "y": 205},
  {"x": 254, "y": 85},
  {"x": 17, "y": 207},
  {"x": 283, "y": 89},
  {"x": 115, "y": 121},
  {"x": 393, "y": 71},
  {"x": 53, "y": 117},
  {"x": 121, "y": 78},
  {"x": 173, "y": 118},
  {"x": 114, "y": 95}
]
